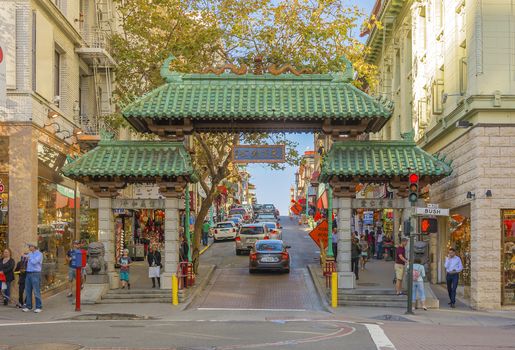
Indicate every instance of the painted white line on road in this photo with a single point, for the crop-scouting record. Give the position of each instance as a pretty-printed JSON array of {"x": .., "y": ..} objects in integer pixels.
[
  {"x": 235, "y": 309},
  {"x": 379, "y": 337}
]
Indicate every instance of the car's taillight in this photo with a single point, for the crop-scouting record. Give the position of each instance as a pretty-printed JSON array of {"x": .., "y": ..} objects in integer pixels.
[
  {"x": 233, "y": 230},
  {"x": 216, "y": 231},
  {"x": 253, "y": 256},
  {"x": 285, "y": 255},
  {"x": 237, "y": 239},
  {"x": 266, "y": 237}
]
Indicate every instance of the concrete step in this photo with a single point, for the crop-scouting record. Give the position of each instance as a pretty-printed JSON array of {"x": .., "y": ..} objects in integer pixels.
[
  {"x": 136, "y": 300},
  {"x": 365, "y": 291},
  {"x": 137, "y": 296},
  {"x": 399, "y": 303},
  {"x": 365, "y": 297},
  {"x": 139, "y": 291}
]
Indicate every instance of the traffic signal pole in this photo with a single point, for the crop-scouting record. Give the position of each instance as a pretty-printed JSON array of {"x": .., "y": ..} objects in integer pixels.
[
  {"x": 330, "y": 252},
  {"x": 413, "y": 198}
]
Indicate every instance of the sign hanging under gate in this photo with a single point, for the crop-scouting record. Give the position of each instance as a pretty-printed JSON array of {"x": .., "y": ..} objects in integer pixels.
[{"x": 244, "y": 154}]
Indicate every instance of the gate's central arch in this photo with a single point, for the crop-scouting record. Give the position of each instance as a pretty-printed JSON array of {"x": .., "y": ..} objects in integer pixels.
[{"x": 264, "y": 101}]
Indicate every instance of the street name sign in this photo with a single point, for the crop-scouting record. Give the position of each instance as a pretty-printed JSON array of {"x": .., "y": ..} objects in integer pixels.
[{"x": 432, "y": 211}]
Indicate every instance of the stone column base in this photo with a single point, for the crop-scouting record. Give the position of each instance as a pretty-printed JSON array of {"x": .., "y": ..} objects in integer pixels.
[
  {"x": 346, "y": 280},
  {"x": 114, "y": 280},
  {"x": 166, "y": 280}
]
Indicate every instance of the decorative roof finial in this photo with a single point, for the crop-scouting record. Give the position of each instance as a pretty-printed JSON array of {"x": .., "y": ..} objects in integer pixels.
[
  {"x": 258, "y": 65},
  {"x": 409, "y": 136},
  {"x": 166, "y": 73},
  {"x": 348, "y": 75}
]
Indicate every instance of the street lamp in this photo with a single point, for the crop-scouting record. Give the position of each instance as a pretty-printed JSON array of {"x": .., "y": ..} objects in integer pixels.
[{"x": 296, "y": 185}]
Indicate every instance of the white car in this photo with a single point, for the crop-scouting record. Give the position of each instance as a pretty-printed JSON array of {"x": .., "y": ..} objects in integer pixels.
[
  {"x": 275, "y": 229},
  {"x": 224, "y": 230}
]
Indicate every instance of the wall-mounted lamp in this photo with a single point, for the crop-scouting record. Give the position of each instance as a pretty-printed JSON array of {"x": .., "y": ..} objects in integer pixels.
[
  {"x": 446, "y": 96},
  {"x": 52, "y": 114},
  {"x": 488, "y": 193},
  {"x": 463, "y": 124},
  {"x": 471, "y": 195},
  {"x": 56, "y": 125},
  {"x": 69, "y": 134}
]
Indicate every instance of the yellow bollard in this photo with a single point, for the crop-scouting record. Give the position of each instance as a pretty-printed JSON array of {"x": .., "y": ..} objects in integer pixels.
[
  {"x": 334, "y": 290},
  {"x": 175, "y": 290}
]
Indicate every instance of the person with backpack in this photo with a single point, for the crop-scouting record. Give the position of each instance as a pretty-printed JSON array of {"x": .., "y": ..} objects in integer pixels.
[
  {"x": 21, "y": 269},
  {"x": 419, "y": 273}
]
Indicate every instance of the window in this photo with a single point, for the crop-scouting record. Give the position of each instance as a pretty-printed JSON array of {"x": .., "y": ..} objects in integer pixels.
[
  {"x": 439, "y": 14},
  {"x": 34, "y": 50},
  {"x": 462, "y": 68},
  {"x": 57, "y": 75},
  {"x": 437, "y": 95}
]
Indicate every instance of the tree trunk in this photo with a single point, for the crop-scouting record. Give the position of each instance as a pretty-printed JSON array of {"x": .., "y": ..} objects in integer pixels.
[{"x": 197, "y": 232}]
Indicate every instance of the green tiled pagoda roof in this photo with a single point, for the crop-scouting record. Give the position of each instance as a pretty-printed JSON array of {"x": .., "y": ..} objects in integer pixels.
[
  {"x": 136, "y": 159},
  {"x": 253, "y": 97},
  {"x": 381, "y": 159}
]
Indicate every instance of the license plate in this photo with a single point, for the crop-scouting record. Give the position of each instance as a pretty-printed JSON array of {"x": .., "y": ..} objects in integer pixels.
[
  {"x": 251, "y": 240},
  {"x": 269, "y": 259}
]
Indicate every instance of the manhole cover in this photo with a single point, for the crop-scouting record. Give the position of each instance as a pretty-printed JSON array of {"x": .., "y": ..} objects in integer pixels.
[
  {"x": 109, "y": 317},
  {"x": 392, "y": 318},
  {"x": 48, "y": 346}
]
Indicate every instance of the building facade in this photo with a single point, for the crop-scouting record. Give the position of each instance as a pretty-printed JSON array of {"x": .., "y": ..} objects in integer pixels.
[
  {"x": 448, "y": 66},
  {"x": 58, "y": 83}
]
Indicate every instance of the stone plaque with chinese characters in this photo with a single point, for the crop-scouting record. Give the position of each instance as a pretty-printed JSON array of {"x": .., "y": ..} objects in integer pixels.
[
  {"x": 258, "y": 154},
  {"x": 138, "y": 204}
]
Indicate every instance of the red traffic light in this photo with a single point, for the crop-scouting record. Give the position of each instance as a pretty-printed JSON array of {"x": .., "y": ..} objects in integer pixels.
[
  {"x": 413, "y": 178},
  {"x": 429, "y": 225}
]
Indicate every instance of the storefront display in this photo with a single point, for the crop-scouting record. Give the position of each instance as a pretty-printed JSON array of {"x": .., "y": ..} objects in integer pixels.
[
  {"x": 56, "y": 231},
  {"x": 88, "y": 220},
  {"x": 4, "y": 210},
  {"x": 460, "y": 240},
  {"x": 508, "y": 256}
]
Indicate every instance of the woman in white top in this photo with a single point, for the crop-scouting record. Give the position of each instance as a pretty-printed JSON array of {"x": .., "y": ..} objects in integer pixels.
[{"x": 419, "y": 273}]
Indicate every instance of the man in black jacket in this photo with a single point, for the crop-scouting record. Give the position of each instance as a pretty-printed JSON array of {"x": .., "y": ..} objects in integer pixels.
[{"x": 154, "y": 266}]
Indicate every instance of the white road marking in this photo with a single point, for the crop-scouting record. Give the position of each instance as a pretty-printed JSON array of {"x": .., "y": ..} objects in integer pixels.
[
  {"x": 380, "y": 339},
  {"x": 236, "y": 309}
]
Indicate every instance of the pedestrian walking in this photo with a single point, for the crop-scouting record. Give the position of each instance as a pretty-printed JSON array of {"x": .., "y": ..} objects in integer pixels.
[
  {"x": 335, "y": 242},
  {"x": 453, "y": 266},
  {"x": 371, "y": 239},
  {"x": 419, "y": 273},
  {"x": 355, "y": 255},
  {"x": 183, "y": 249},
  {"x": 6, "y": 274},
  {"x": 205, "y": 232},
  {"x": 33, "y": 279},
  {"x": 379, "y": 244},
  {"x": 125, "y": 263},
  {"x": 154, "y": 266},
  {"x": 70, "y": 255},
  {"x": 363, "y": 244},
  {"x": 400, "y": 265},
  {"x": 21, "y": 269}
]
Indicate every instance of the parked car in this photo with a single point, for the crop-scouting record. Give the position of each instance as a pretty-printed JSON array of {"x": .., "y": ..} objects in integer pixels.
[
  {"x": 275, "y": 229},
  {"x": 237, "y": 220},
  {"x": 225, "y": 230},
  {"x": 268, "y": 209},
  {"x": 265, "y": 218},
  {"x": 269, "y": 254},
  {"x": 250, "y": 234}
]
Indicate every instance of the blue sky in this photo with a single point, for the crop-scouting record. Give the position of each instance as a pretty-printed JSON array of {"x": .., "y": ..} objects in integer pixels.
[{"x": 274, "y": 186}]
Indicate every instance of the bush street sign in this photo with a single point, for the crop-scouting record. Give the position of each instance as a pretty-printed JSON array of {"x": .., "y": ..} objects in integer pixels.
[{"x": 432, "y": 211}]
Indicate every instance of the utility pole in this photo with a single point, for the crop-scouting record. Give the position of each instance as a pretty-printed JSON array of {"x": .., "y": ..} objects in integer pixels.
[{"x": 413, "y": 198}]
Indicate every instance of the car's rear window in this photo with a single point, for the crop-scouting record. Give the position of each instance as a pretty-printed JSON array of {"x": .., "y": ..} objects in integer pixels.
[
  {"x": 269, "y": 246},
  {"x": 237, "y": 211},
  {"x": 269, "y": 206},
  {"x": 252, "y": 230},
  {"x": 224, "y": 225},
  {"x": 271, "y": 226}
]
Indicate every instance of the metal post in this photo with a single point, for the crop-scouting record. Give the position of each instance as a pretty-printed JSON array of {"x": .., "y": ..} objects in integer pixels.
[
  {"x": 187, "y": 220},
  {"x": 330, "y": 252},
  {"x": 78, "y": 282},
  {"x": 410, "y": 262},
  {"x": 334, "y": 290},
  {"x": 175, "y": 290},
  {"x": 307, "y": 204}
]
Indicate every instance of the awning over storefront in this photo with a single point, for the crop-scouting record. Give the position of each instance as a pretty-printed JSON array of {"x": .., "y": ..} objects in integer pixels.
[
  {"x": 132, "y": 161},
  {"x": 381, "y": 161}
]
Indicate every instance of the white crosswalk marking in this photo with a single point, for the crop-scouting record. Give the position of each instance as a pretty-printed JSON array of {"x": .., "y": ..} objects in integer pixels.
[{"x": 379, "y": 337}]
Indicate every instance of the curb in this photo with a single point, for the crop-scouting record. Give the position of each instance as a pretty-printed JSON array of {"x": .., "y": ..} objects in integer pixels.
[
  {"x": 200, "y": 287},
  {"x": 206, "y": 248},
  {"x": 320, "y": 290}
]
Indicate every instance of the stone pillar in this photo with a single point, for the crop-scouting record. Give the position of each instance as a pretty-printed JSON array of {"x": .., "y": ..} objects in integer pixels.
[
  {"x": 106, "y": 236},
  {"x": 346, "y": 278},
  {"x": 23, "y": 188},
  {"x": 171, "y": 256}
]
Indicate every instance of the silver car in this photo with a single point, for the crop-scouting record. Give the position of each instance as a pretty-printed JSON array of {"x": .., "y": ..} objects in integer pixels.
[{"x": 248, "y": 235}]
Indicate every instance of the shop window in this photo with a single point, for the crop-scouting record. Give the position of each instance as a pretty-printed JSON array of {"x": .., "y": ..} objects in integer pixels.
[
  {"x": 4, "y": 211},
  {"x": 88, "y": 221},
  {"x": 460, "y": 240},
  {"x": 508, "y": 256},
  {"x": 56, "y": 231}
]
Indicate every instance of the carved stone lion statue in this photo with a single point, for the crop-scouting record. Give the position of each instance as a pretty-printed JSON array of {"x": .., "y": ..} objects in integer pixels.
[{"x": 96, "y": 263}]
